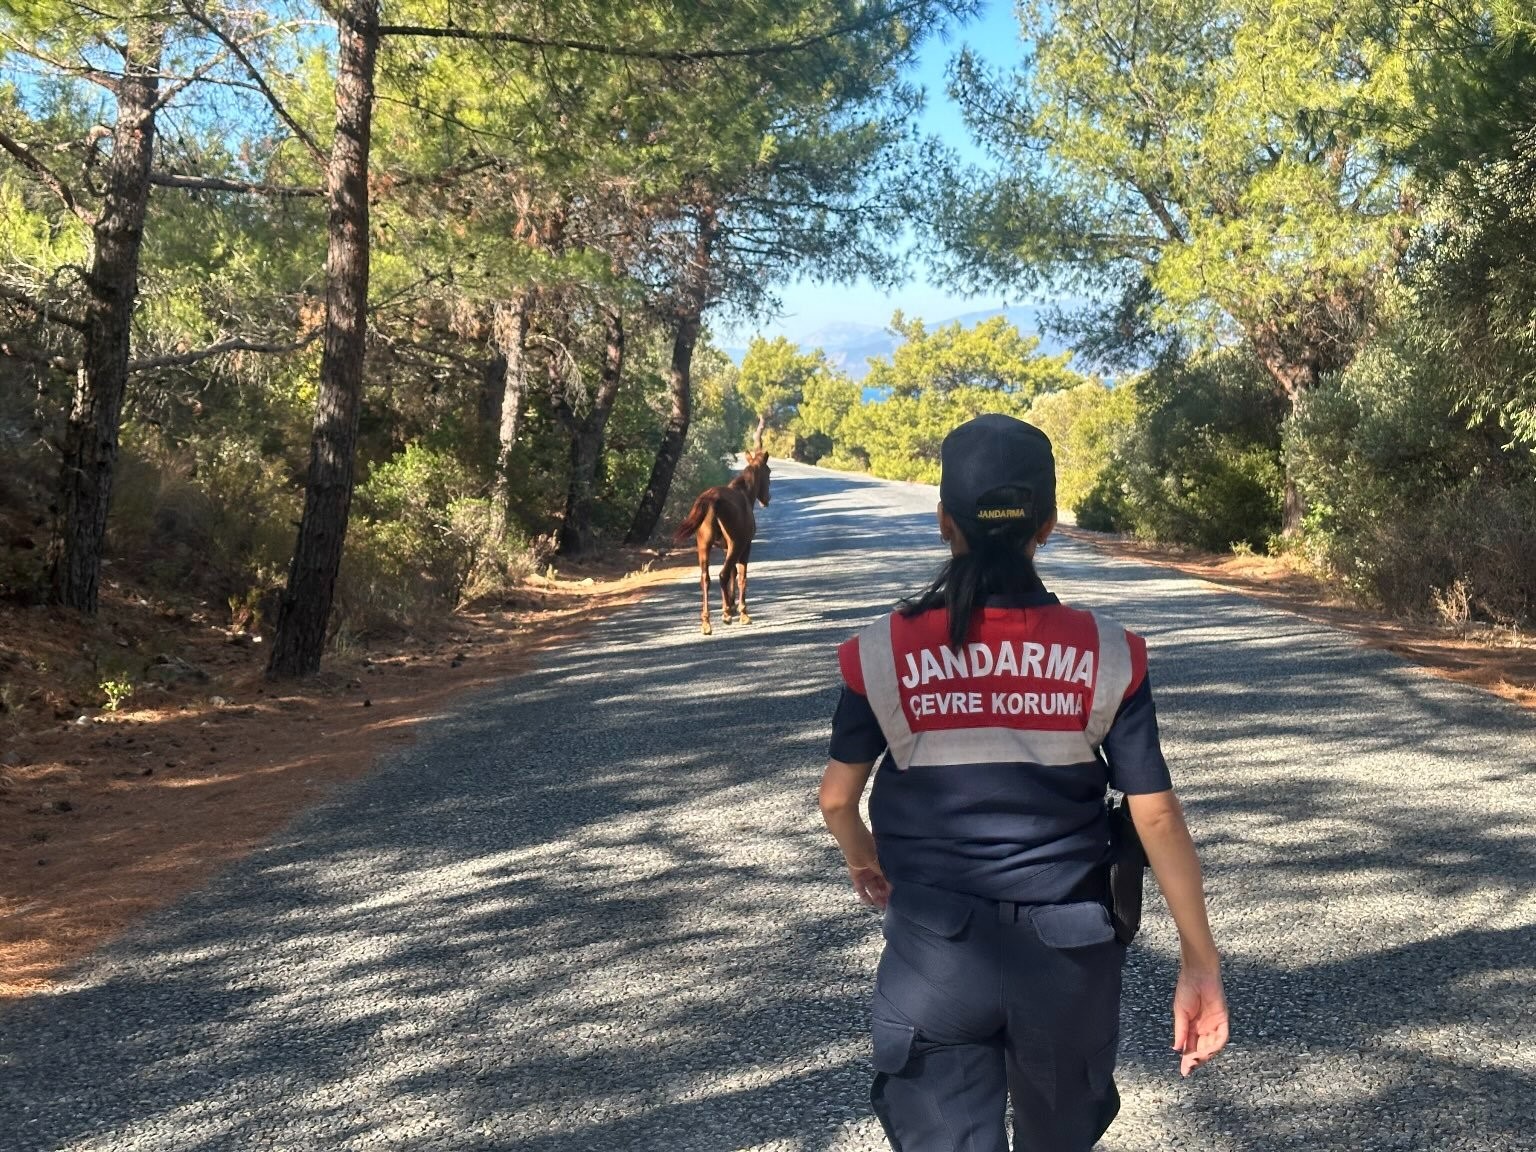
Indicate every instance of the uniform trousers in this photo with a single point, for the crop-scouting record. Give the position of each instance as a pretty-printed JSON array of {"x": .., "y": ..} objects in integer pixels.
[{"x": 977, "y": 1001}]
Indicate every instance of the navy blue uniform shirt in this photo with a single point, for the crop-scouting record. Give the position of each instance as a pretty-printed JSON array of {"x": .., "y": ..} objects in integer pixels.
[{"x": 1028, "y": 827}]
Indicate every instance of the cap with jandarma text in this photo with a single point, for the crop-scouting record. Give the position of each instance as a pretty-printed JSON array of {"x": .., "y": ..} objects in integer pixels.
[{"x": 998, "y": 473}]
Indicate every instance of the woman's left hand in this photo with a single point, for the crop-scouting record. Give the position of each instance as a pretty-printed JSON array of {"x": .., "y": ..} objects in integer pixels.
[{"x": 870, "y": 884}]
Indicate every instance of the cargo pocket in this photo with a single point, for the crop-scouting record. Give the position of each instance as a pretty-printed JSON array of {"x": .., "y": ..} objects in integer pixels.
[
  {"x": 1073, "y": 925},
  {"x": 893, "y": 1049},
  {"x": 893, "y": 1045}
]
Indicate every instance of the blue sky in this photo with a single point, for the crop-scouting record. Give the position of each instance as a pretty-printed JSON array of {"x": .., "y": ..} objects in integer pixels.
[{"x": 807, "y": 305}]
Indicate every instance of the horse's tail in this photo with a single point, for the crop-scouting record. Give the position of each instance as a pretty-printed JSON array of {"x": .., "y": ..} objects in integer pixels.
[{"x": 702, "y": 509}]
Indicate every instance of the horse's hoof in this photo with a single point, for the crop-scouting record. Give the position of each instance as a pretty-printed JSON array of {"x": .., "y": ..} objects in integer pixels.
[
  {"x": 727, "y": 619},
  {"x": 706, "y": 629},
  {"x": 745, "y": 619}
]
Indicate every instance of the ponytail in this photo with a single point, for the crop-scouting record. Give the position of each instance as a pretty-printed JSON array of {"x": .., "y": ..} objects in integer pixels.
[{"x": 997, "y": 563}]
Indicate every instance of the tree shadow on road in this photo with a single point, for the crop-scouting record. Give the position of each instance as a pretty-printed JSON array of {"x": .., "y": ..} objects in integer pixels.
[{"x": 596, "y": 908}]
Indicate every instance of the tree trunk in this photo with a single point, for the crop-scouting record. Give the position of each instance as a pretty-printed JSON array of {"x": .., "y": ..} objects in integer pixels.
[
  {"x": 1295, "y": 377},
  {"x": 671, "y": 449},
  {"x": 493, "y": 390},
  {"x": 510, "y": 328},
  {"x": 576, "y": 532},
  {"x": 306, "y": 603},
  {"x": 112, "y": 289},
  {"x": 693, "y": 295}
]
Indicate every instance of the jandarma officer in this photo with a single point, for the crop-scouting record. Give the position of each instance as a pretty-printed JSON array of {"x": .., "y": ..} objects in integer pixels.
[{"x": 1003, "y": 716}]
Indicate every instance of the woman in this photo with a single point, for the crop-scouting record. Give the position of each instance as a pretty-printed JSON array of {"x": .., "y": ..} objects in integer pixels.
[{"x": 1003, "y": 717}]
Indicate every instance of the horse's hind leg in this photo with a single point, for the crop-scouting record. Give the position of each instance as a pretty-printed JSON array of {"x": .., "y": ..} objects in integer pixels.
[
  {"x": 703, "y": 543},
  {"x": 741, "y": 585},
  {"x": 729, "y": 574}
]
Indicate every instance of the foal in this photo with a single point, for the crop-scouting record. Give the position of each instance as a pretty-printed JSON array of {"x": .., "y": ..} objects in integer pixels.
[{"x": 722, "y": 518}]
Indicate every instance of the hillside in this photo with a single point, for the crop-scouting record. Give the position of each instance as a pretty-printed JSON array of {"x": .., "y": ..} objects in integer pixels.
[{"x": 849, "y": 346}]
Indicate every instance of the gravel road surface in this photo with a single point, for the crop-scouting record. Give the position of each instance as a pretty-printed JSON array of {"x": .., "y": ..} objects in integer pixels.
[{"x": 595, "y": 909}]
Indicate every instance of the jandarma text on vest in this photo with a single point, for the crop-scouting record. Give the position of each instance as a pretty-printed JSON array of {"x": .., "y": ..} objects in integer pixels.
[{"x": 1025, "y": 658}]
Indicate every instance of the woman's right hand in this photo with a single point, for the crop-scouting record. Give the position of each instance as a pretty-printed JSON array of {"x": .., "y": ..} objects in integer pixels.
[
  {"x": 870, "y": 885},
  {"x": 1199, "y": 1017}
]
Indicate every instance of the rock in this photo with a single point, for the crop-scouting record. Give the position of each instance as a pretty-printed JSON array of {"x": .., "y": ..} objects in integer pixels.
[
  {"x": 172, "y": 670},
  {"x": 217, "y": 701}
]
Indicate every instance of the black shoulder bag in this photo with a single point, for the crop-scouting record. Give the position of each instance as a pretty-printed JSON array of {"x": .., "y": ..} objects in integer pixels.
[{"x": 1127, "y": 869}]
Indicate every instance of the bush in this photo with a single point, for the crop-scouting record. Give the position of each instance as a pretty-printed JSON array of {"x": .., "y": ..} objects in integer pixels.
[
  {"x": 705, "y": 463},
  {"x": 1409, "y": 505},
  {"x": 419, "y": 543},
  {"x": 213, "y": 517},
  {"x": 1200, "y": 463},
  {"x": 1086, "y": 425}
]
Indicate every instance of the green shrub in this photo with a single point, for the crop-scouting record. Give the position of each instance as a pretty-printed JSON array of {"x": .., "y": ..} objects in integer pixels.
[
  {"x": 1200, "y": 463},
  {"x": 212, "y": 517},
  {"x": 1409, "y": 505},
  {"x": 844, "y": 459},
  {"x": 420, "y": 543},
  {"x": 705, "y": 463},
  {"x": 1086, "y": 425}
]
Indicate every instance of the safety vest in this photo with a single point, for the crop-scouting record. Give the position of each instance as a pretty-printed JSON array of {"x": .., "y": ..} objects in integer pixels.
[
  {"x": 992, "y": 784},
  {"x": 1042, "y": 695}
]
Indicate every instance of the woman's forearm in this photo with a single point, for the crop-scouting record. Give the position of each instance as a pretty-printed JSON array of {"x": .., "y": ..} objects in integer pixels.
[
  {"x": 1159, "y": 821},
  {"x": 842, "y": 785},
  {"x": 851, "y": 833}
]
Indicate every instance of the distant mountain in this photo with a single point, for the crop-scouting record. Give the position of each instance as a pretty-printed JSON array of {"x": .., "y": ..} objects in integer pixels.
[{"x": 849, "y": 346}]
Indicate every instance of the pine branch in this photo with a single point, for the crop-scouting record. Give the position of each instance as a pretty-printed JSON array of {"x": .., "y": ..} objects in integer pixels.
[
  {"x": 219, "y": 184},
  {"x": 675, "y": 55},
  {"x": 17, "y": 350},
  {"x": 45, "y": 311},
  {"x": 276, "y": 104},
  {"x": 182, "y": 359},
  {"x": 27, "y": 160}
]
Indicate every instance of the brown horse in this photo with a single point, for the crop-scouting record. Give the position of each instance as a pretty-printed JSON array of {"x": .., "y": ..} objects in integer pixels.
[{"x": 722, "y": 518}]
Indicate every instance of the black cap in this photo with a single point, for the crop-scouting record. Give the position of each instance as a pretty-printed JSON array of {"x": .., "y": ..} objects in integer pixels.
[{"x": 997, "y": 474}]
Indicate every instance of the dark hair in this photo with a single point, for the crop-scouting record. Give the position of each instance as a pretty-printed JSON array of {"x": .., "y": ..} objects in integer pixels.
[{"x": 997, "y": 564}]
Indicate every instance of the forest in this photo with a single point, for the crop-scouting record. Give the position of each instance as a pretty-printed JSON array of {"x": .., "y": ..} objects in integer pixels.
[{"x": 341, "y": 315}]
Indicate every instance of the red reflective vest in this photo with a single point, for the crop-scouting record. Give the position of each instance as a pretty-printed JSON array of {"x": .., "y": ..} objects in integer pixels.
[{"x": 992, "y": 782}]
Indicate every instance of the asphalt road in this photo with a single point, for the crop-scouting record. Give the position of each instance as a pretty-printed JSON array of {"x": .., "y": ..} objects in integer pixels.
[{"x": 595, "y": 909}]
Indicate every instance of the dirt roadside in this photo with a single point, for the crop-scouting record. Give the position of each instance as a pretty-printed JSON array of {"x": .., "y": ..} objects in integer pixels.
[
  {"x": 1497, "y": 660},
  {"x": 107, "y": 815}
]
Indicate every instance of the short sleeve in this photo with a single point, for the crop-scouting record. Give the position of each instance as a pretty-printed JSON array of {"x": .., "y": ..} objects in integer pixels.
[
  {"x": 1132, "y": 749},
  {"x": 1138, "y": 650},
  {"x": 856, "y": 735},
  {"x": 849, "y": 664}
]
